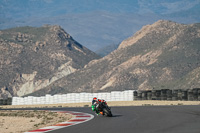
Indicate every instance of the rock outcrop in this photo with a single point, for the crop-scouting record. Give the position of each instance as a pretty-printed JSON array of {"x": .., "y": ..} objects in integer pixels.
[{"x": 33, "y": 58}]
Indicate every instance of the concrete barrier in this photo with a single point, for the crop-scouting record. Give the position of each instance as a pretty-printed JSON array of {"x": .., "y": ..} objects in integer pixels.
[
  {"x": 128, "y": 95},
  {"x": 75, "y": 98}
]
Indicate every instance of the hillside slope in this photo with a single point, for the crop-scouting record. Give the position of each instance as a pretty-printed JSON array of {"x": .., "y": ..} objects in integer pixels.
[
  {"x": 155, "y": 56},
  {"x": 32, "y": 58}
]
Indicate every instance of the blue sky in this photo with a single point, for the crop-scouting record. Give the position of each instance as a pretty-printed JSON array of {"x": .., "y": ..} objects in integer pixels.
[
  {"x": 97, "y": 23},
  {"x": 49, "y": 8}
]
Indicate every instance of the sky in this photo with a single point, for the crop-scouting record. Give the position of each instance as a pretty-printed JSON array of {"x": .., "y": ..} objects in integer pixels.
[{"x": 97, "y": 23}]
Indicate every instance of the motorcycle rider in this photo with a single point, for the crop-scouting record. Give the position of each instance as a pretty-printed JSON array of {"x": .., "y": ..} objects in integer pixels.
[{"x": 97, "y": 105}]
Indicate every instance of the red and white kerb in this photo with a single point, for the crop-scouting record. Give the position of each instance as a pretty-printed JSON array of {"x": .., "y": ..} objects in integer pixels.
[{"x": 79, "y": 118}]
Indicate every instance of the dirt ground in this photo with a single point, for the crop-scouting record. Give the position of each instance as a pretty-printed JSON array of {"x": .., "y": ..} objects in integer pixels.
[
  {"x": 153, "y": 103},
  {"x": 113, "y": 103},
  {"x": 22, "y": 121}
]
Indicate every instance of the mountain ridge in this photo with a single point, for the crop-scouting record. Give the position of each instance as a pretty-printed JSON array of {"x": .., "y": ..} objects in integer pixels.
[
  {"x": 32, "y": 58},
  {"x": 97, "y": 23},
  {"x": 156, "y": 55}
]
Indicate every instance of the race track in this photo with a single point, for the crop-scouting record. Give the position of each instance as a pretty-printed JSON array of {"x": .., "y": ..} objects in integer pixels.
[{"x": 145, "y": 119}]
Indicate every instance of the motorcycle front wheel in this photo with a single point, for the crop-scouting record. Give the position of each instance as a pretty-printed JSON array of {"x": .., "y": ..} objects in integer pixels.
[{"x": 107, "y": 112}]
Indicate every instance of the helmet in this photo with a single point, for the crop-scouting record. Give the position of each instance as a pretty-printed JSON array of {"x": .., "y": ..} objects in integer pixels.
[
  {"x": 94, "y": 98},
  {"x": 99, "y": 100}
]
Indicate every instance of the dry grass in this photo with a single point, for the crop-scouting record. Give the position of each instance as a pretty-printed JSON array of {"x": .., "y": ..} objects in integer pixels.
[
  {"x": 153, "y": 103},
  {"x": 21, "y": 121},
  {"x": 113, "y": 103}
]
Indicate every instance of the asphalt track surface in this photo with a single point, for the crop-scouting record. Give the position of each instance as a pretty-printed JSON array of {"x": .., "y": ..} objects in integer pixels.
[{"x": 145, "y": 119}]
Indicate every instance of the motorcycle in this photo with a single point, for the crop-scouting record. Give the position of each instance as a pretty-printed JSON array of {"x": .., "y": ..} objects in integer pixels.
[{"x": 104, "y": 110}]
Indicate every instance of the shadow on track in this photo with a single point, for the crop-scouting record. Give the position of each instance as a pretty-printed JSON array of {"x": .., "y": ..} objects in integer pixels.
[{"x": 117, "y": 115}]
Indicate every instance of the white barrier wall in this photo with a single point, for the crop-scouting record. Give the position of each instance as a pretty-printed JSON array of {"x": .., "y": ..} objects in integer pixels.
[{"x": 74, "y": 98}]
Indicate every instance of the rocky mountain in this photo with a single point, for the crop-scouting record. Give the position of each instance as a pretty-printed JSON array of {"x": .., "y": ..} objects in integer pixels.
[
  {"x": 32, "y": 58},
  {"x": 97, "y": 23},
  {"x": 162, "y": 55}
]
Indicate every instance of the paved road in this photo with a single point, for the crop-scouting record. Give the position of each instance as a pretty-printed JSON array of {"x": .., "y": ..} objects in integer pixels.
[{"x": 146, "y": 119}]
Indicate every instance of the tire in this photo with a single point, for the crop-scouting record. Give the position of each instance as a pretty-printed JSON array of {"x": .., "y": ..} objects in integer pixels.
[{"x": 107, "y": 112}]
